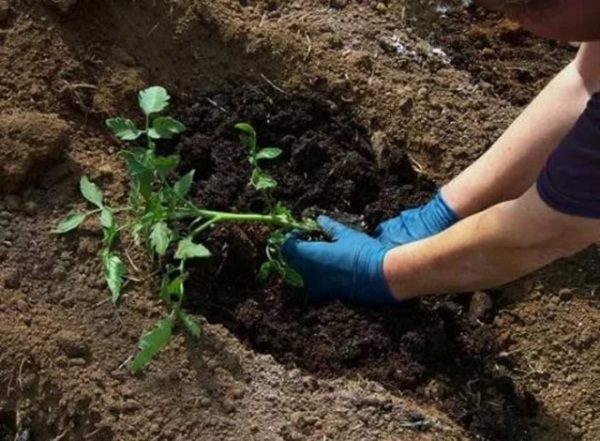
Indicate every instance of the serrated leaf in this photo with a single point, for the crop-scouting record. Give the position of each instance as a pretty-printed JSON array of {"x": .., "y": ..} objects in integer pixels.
[
  {"x": 263, "y": 181},
  {"x": 165, "y": 164},
  {"x": 152, "y": 343},
  {"x": 183, "y": 186},
  {"x": 110, "y": 234},
  {"x": 269, "y": 153},
  {"x": 187, "y": 249},
  {"x": 160, "y": 238},
  {"x": 114, "y": 270},
  {"x": 277, "y": 238},
  {"x": 292, "y": 277},
  {"x": 190, "y": 324},
  {"x": 123, "y": 129},
  {"x": 282, "y": 210},
  {"x": 69, "y": 223},
  {"x": 165, "y": 127},
  {"x": 90, "y": 191},
  {"x": 137, "y": 231},
  {"x": 107, "y": 219},
  {"x": 153, "y": 100}
]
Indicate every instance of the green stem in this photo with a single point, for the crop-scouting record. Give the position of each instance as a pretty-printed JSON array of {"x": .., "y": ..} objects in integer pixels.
[
  {"x": 219, "y": 216},
  {"x": 205, "y": 225}
]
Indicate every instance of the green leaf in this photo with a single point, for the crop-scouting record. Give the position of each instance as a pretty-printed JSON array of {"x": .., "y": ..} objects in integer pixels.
[
  {"x": 247, "y": 135},
  {"x": 69, "y": 223},
  {"x": 123, "y": 129},
  {"x": 246, "y": 129},
  {"x": 187, "y": 249},
  {"x": 165, "y": 164},
  {"x": 183, "y": 186},
  {"x": 190, "y": 324},
  {"x": 153, "y": 100},
  {"x": 140, "y": 163},
  {"x": 170, "y": 288},
  {"x": 292, "y": 277},
  {"x": 164, "y": 292},
  {"x": 152, "y": 343},
  {"x": 277, "y": 238},
  {"x": 114, "y": 270},
  {"x": 282, "y": 210},
  {"x": 160, "y": 238},
  {"x": 90, "y": 191},
  {"x": 269, "y": 153},
  {"x": 110, "y": 234},
  {"x": 165, "y": 127},
  {"x": 107, "y": 219},
  {"x": 266, "y": 269},
  {"x": 262, "y": 181},
  {"x": 175, "y": 287}
]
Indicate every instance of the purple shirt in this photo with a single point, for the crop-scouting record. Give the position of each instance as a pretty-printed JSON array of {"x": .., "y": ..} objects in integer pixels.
[{"x": 570, "y": 182}]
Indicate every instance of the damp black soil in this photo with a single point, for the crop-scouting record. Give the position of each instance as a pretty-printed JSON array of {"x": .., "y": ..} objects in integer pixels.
[
  {"x": 430, "y": 349},
  {"x": 7, "y": 425}
]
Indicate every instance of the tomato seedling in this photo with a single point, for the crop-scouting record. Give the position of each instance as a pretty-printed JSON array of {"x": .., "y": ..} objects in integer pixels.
[{"x": 163, "y": 218}]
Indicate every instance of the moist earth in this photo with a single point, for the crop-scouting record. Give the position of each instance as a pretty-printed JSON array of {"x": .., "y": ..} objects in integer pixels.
[
  {"x": 382, "y": 102},
  {"x": 431, "y": 350}
]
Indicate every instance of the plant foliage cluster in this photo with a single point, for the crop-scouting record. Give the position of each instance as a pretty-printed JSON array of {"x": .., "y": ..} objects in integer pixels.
[{"x": 163, "y": 219}]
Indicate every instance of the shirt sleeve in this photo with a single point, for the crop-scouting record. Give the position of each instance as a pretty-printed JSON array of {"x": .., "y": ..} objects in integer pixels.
[{"x": 570, "y": 181}]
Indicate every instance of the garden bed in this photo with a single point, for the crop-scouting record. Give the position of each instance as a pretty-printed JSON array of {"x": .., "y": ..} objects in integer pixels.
[
  {"x": 434, "y": 350},
  {"x": 366, "y": 129}
]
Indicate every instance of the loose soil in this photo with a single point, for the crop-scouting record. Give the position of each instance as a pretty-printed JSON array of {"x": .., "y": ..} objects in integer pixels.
[
  {"x": 430, "y": 350},
  {"x": 495, "y": 51},
  {"x": 372, "y": 118}
]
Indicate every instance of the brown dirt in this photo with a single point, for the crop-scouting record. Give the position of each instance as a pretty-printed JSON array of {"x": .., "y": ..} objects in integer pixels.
[
  {"x": 62, "y": 345},
  {"x": 499, "y": 55},
  {"x": 31, "y": 140}
]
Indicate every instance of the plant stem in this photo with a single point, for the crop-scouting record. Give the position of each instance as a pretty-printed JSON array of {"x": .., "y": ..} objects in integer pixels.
[
  {"x": 219, "y": 216},
  {"x": 205, "y": 225}
]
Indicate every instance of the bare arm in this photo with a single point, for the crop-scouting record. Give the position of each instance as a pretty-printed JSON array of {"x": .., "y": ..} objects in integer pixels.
[
  {"x": 512, "y": 164},
  {"x": 488, "y": 249}
]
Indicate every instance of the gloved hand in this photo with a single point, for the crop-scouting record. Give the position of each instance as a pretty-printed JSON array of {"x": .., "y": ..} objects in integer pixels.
[
  {"x": 349, "y": 268},
  {"x": 417, "y": 223}
]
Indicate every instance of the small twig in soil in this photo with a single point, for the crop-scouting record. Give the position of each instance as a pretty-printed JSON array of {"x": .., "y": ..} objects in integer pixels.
[
  {"x": 309, "y": 51},
  {"x": 143, "y": 279},
  {"x": 421, "y": 424},
  {"x": 89, "y": 435},
  {"x": 119, "y": 318},
  {"x": 153, "y": 29},
  {"x": 223, "y": 260},
  {"x": 100, "y": 303},
  {"x": 262, "y": 20},
  {"x": 74, "y": 89},
  {"x": 273, "y": 85},
  {"x": 61, "y": 436},
  {"x": 416, "y": 165},
  {"x": 20, "y": 375},
  {"x": 126, "y": 362},
  {"x": 214, "y": 103},
  {"x": 131, "y": 262}
]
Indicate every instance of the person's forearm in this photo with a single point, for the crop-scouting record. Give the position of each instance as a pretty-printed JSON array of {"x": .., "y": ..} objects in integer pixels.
[
  {"x": 511, "y": 165},
  {"x": 488, "y": 249}
]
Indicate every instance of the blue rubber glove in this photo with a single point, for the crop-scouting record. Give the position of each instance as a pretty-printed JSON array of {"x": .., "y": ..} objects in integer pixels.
[
  {"x": 349, "y": 268},
  {"x": 417, "y": 223}
]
